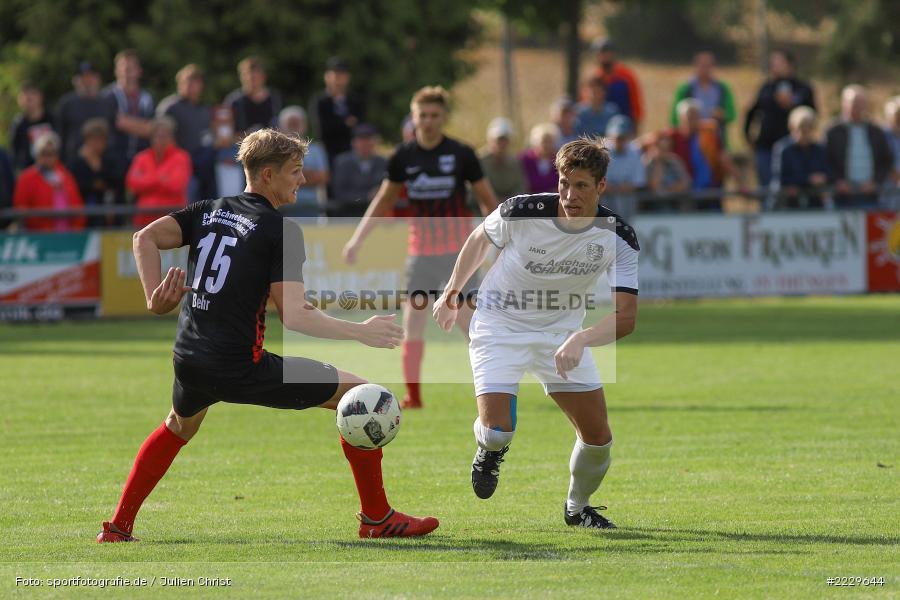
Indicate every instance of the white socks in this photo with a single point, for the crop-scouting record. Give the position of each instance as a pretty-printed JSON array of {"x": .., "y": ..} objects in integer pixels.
[
  {"x": 588, "y": 466},
  {"x": 490, "y": 439}
]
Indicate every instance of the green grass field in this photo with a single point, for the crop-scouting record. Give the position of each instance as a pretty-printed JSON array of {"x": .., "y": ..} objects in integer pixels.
[{"x": 757, "y": 454}]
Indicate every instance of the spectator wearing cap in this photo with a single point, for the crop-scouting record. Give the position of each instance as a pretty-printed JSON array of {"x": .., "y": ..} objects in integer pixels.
[
  {"x": 626, "y": 173},
  {"x": 714, "y": 95},
  {"x": 75, "y": 108},
  {"x": 132, "y": 106},
  {"x": 768, "y": 117},
  {"x": 254, "y": 104},
  {"x": 502, "y": 169},
  {"x": 595, "y": 112},
  {"x": 698, "y": 143},
  {"x": 563, "y": 113},
  {"x": 193, "y": 121},
  {"x": 48, "y": 185},
  {"x": 622, "y": 87},
  {"x": 28, "y": 126},
  {"x": 99, "y": 182},
  {"x": 859, "y": 155},
  {"x": 311, "y": 194},
  {"x": 799, "y": 164},
  {"x": 159, "y": 175},
  {"x": 336, "y": 110},
  {"x": 357, "y": 174},
  {"x": 666, "y": 175},
  {"x": 538, "y": 159}
]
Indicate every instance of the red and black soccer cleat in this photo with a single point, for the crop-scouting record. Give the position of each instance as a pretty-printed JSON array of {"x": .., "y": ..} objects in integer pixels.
[
  {"x": 409, "y": 402},
  {"x": 395, "y": 524},
  {"x": 111, "y": 533}
]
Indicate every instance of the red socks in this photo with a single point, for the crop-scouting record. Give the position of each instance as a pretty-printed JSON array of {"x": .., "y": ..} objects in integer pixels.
[
  {"x": 153, "y": 460},
  {"x": 366, "y": 467},
  {"x": 411, "y": 353}
]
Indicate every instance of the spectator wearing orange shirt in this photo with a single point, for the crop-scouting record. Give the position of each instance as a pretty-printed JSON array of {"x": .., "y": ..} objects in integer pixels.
[
  {"x": 159, "y": 175},
  {"x": 622, "y": 86},
  {"x": 46, "y": 185}
]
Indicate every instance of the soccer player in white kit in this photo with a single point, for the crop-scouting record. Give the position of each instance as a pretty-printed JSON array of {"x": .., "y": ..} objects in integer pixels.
[{"x": 530, "y": 313}]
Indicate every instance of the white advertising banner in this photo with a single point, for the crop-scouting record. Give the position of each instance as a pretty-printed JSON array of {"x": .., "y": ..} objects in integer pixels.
[{"x": 752, "y": 255}]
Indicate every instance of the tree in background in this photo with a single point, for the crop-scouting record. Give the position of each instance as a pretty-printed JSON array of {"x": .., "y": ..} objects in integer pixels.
[{"x": 393, "y": 46}]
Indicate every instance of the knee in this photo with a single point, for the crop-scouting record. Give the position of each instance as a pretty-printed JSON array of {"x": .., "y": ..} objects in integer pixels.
[
  {"x": 596, "y": 437},
  {"x": 183, "y": 427}
]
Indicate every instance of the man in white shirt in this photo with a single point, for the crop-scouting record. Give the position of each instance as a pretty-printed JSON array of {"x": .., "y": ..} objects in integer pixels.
[{"x": 530, "y": 312}]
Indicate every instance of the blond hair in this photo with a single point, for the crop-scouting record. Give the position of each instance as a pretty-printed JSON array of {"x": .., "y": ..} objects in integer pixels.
[
  {"x": 270, "y": 147},
  {"x": 431, "y": 94},
  {"x": 541, "y": 130},
  {"x": 585, "y": 153},
  {"x": 801, "y": 116}
]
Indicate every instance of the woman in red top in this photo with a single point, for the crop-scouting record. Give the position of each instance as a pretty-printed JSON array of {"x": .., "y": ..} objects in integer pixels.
[
  {"x": 48, "y": 185},
  {"x": 159, "y": 175}
]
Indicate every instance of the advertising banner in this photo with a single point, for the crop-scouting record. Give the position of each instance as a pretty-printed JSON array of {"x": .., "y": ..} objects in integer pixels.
[
  {"x": 49, "y": 275},
  {"x": 123, "y": 294},
  {"x": 752, "y": 255},
  {"x": 884, "y": 251}
]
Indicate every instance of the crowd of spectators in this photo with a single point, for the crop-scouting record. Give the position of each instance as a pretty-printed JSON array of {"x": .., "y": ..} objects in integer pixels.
[{"x": 113, "y": 145}]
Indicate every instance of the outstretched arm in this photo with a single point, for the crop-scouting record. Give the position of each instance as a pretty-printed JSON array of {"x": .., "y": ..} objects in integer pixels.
[
  {"x": 383, "y": 202},
  {"x": 299, "y": 315},
  {"x": 473, "y": 253}
]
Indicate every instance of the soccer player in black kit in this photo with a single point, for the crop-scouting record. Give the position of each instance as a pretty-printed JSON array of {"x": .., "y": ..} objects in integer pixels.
[
  {"x": 242, "y": 252},
  {"x": 434, "y": 168}
]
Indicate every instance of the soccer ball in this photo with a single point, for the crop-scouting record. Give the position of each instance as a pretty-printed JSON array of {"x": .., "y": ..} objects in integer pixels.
[{"x": 368, "y": 416}]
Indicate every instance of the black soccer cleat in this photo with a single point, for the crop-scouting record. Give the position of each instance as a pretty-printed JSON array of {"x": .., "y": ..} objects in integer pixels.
[
  {"x": 588, "y": 518},
  {"x": 486, "y": 471}
]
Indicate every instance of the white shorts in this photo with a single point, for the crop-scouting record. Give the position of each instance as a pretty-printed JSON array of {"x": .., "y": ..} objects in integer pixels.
[{"x": 501, "y": 357}]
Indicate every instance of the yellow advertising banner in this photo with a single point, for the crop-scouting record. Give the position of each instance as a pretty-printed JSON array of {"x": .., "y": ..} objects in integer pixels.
[
  {"x": 379, "y": 266},
  {"x": 120, "y": 287}
]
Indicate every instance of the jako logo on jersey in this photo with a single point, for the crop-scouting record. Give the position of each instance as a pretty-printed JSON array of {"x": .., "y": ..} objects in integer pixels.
[
  {"x": 565, "y": 267},
  {"x": 447, "y": 162},
  {"x": 537, "y": 250},
  {"x": 594, "y": 251}
]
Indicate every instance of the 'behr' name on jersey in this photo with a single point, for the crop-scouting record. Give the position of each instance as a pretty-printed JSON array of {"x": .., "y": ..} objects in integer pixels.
[
  {"x": 239, "y": 223},
  {"x": 199, "y": 302},
  {"x": 566, "y": 267}
]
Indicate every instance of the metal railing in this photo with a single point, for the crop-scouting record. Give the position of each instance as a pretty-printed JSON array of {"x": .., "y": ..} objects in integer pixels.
[{"x": 887, "y": 198}]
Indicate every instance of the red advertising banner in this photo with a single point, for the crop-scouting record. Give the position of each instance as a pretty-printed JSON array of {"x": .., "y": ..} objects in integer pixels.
[{"x": 883, "y": 236}]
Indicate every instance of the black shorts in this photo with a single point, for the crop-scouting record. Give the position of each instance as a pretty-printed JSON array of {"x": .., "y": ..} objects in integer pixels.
[
  {"x": 429, "y": 275},
  {"x": 309, "y": 383}
]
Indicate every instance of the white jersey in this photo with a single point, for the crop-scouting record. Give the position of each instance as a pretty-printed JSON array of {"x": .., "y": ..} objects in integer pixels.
[{"x": 545, "y": 276}]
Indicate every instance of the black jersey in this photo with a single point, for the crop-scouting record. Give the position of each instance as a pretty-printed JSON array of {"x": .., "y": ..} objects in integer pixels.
[
  {"x": 436, "y": 188},
  {"x": 239, "y": 247}
]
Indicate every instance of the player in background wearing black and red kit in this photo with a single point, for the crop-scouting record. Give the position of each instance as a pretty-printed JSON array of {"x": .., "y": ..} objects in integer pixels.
[
  {"x": 435, "y": 169},
  {"x": 242, "y": 252}
]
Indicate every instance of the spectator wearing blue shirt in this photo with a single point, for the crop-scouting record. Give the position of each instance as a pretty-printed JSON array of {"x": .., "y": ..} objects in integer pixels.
[
  {"x": 311, "y": 194},
  {"x": 799, "y": 164},
  {"x": 594, "y": 114},
  {"x": 562, "y": 112},
  {"x": 626, "y": 173},
  {"x": 859, "y": 156}
]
